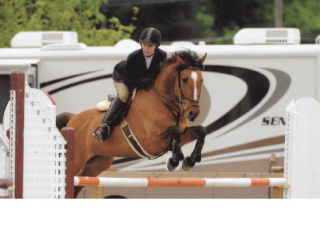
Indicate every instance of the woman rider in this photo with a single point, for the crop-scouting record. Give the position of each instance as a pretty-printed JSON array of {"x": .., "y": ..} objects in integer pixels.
[{"x": 139, "y": 70}]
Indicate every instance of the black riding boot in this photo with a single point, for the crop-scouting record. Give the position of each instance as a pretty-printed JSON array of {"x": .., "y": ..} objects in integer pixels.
[{"x": 116, "y": 109}]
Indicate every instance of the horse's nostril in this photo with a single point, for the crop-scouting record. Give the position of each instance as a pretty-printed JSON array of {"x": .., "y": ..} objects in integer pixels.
[{"x": 192, "y": 116}]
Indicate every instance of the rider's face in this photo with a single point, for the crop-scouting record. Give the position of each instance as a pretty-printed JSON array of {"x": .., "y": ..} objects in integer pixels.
[{"x": 148, "y": 49}]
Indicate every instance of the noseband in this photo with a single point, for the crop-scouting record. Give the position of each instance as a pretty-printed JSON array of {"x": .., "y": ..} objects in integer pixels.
[{"x": 179, "y": 101}]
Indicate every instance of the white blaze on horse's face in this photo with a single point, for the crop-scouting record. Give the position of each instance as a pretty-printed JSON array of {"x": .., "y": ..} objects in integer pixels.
[{"x": 194, "y": 77}]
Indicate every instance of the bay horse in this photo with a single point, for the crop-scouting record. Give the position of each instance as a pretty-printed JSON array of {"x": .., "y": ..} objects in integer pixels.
[{"x": 158, "y": 119}]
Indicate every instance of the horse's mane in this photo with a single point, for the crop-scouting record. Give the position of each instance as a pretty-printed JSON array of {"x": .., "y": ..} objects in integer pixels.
[{"x": 191, "y": 59}]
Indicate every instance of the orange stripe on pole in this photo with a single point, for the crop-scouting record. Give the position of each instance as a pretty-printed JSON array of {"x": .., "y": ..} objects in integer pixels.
[
  {"x": 260, "y": 182},
  {"x": 112, "y": 169},
  {"x": 176, "y": 182},
  {"x": 88, "y": 181}
]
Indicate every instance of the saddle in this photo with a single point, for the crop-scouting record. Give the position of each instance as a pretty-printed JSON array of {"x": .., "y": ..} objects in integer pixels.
[{"x": 104, "y": 105}]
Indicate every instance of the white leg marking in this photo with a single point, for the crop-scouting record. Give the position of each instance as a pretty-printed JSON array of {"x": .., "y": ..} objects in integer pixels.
[{"x": 194, "y": 76}]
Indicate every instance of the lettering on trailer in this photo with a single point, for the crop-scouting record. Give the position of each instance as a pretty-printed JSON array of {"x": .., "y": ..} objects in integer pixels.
[{"x": 273, "y": 121}]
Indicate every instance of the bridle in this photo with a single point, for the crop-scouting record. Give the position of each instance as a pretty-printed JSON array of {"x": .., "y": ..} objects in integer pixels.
[
  {"x": 179, "y": 101},
  {"x": 194, "y": 103}
]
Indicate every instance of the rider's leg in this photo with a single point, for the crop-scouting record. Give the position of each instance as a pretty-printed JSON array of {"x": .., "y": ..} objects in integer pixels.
[{"x": 117, "y": 108}]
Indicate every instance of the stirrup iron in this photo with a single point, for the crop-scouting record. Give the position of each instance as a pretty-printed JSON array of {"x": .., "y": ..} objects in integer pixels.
[{"x": 104, "y": 127}]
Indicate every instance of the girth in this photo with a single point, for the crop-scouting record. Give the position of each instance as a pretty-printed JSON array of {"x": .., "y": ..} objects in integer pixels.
[{"x": 134, "y": 143}]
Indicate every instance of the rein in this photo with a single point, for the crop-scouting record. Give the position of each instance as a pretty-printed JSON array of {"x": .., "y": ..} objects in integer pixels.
[{"x": 179, "y": 101}]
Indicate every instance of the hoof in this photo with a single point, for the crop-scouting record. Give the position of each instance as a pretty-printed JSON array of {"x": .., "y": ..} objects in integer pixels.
[
  {"x": 172, "y": 165},
  {"x": 187, "y": 164},
  {"x": 180, "y": 155}
]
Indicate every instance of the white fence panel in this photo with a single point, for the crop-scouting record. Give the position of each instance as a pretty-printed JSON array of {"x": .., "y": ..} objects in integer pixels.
[{"x": 302, "y": 160}]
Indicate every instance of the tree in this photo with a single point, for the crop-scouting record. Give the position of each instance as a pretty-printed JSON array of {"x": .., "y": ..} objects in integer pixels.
[
  {"x": 176, "y": 21},
  {"x": 82, "y": 16},
  {"x": 302, "y": 14},
  {"x": 199, "y": 19},
  {"x": 231, "y": 14}
]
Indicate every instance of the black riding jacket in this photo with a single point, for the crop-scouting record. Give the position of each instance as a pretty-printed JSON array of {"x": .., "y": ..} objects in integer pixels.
[{"x": 133, "y": 70}]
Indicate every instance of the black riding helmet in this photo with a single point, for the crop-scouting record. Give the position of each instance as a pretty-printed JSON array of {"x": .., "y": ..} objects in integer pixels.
[{"x": 150, "y": 36}]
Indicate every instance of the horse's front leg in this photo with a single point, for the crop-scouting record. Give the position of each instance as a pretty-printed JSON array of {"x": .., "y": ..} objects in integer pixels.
[
  {"x": 175, "y": 147},
  {"x": 190, "y": 134}
]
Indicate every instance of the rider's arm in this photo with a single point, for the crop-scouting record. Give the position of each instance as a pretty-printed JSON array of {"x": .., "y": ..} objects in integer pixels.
[
  {"x": 119, "y": 71},
  {"x": 130, "y": 75}
]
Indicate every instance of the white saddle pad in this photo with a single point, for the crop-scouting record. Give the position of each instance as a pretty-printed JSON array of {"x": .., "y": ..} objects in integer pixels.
[{"x": 105, "y": 105}]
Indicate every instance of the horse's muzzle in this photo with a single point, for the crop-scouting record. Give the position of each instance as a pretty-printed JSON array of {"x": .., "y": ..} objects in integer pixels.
[{"x": 192, "y": 115}]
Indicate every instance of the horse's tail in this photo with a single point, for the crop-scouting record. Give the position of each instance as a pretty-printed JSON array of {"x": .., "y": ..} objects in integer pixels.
[{"x": 62, "y": 119}]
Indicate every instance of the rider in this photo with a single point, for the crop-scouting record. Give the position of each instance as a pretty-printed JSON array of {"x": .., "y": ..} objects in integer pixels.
[{"x": 139, "y": 70}]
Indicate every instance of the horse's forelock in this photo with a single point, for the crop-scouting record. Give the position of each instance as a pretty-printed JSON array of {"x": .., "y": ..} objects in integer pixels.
[{"x": 191, "y": 58}]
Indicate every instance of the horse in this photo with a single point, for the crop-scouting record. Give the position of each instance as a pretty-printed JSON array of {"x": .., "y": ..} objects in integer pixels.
[{"x": 158, "y": 119}]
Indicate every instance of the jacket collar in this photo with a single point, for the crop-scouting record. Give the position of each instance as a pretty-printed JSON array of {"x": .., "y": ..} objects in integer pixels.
[{"x": 152, "y": 61}]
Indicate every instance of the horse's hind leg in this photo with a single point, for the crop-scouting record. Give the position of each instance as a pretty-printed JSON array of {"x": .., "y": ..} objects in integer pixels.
[
  {"x": 93, "y": 168},
  {"x": 190, "y": 134}
]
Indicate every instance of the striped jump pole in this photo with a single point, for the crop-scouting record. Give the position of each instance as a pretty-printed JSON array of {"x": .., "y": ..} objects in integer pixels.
[{"x": 178, "y": 182}]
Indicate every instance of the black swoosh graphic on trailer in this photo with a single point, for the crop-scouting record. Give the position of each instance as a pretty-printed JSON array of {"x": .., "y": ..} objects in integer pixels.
[
  {"x": 282, "y": 85},
  {"x": 79, "y": 83},
  {"x": 257, "y": 87},
  {"x": 45, "y": 84}
]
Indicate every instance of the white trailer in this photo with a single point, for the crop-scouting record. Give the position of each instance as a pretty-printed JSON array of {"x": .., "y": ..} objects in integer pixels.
[{"x": 247, "y": 86}]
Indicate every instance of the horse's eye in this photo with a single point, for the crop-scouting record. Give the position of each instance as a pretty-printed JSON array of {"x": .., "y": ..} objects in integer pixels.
[{"x": 185, "y": 80}]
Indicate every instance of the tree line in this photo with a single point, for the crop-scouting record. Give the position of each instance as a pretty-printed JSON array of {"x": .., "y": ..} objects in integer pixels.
[{"x": 97, "y": 23}]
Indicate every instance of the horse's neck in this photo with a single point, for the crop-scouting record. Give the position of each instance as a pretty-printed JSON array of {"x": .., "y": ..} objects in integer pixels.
[
  {"x": 147, "y": 108},
  {"x": 151, "y": 103},
  {"x": 165, "y": 81}
]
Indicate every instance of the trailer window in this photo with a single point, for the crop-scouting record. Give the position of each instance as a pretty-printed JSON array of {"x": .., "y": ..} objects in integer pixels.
[{"x": 4, "y": 93}]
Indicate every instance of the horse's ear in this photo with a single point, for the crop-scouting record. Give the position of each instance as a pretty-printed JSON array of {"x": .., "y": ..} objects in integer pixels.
[
  {"x": 178, "y": 58},
  {"x": 201, "y": 60}
]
